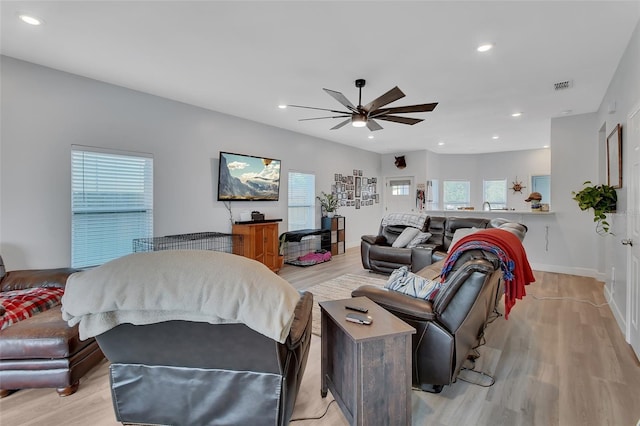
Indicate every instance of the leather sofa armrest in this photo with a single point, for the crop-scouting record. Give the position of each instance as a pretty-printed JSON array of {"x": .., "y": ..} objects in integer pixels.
[
  {"x": 421, "y": 256},
  {"x": 31, "y": 278},
  {"x": 394, "y": 301},
  {"x": 374, "y": 239},
  {"x": 301, "y": 320}
]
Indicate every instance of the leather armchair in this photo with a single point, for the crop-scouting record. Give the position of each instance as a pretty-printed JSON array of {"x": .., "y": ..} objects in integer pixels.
[
  {"x": 449, "y": 327},
  {"x": 452, "y": 325},
  {"x": 42, "y": 351},
  {"x": 189, "y": 373}
]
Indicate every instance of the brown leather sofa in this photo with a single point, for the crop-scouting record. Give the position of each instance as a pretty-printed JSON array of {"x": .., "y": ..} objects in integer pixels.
[
  {"x": 43, "y": 351},
  {"x": 453, "y": 324},
  {"x": 378, "y": 255},
  {"x": 182, "y": 372}
]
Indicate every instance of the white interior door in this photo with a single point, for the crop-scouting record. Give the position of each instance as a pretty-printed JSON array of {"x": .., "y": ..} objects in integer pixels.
[
  {"x": 633, "y": 231},
  {"x": 399, "y": 194}
]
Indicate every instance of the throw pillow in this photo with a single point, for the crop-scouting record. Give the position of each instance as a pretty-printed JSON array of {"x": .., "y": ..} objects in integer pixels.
[
  {"x": 405, "y": 237},
  {"x": 403, "y": 281},
  {"x": 461, "y": 233},
  {"x": 422, "y": 237}
]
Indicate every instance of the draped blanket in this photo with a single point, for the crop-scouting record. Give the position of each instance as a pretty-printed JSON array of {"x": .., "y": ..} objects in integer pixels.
[
  {"x": 190, "y": 285},
  {"x": 415, "y": 220},
  {"x": 514, "y": 264}
]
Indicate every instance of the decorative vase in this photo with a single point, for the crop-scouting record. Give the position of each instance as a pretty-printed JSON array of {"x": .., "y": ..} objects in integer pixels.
[{"x": 331, "y": 214}]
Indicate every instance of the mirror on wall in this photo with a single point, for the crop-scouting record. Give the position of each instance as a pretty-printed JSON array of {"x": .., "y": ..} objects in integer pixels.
[{"x": 542, "y": 184}]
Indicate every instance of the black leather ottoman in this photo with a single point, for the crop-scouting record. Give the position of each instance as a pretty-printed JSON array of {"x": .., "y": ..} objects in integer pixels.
[{"x": 44, "y": 352}]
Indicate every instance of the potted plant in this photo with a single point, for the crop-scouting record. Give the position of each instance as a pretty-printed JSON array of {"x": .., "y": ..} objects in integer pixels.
[
  {"x": 329, "y": 203},
  {"x": 602, "y": 199}
]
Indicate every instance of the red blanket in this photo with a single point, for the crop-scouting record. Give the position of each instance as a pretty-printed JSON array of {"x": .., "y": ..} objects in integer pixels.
[
  {"x": 23, "y": 304},
  {"x": 514, "y": 250}
]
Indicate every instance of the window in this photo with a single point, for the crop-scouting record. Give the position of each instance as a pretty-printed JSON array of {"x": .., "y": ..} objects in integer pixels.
[
  {"x": 111, "y": 204},
  {"x": 495, "y": 193},
  {"x": 400, "y": 187},
  {"x": 455, "y": 193},
  {"x": 302, "y": 197}
]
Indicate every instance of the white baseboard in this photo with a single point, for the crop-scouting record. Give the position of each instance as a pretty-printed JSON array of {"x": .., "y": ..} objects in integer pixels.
[
  {"x": 559, "y": 269},
  {"x": 620, "y": 319}
]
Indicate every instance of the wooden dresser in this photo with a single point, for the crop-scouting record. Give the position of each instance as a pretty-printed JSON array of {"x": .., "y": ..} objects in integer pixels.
[{"x": 260, "y": 241}]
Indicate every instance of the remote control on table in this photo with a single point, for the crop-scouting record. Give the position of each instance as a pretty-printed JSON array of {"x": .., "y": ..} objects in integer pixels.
[
  {"x": 359, "y": 318},
  {"x": 357, "y": 308}
]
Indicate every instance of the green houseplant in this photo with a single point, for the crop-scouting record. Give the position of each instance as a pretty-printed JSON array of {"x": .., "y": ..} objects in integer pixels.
[
  {"x": 602, "y": 199},
  {"x": 329, "y": 203}
]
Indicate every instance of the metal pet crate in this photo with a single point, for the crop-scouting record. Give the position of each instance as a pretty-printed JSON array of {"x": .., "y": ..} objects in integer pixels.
[{"x": 216, "y": 241}]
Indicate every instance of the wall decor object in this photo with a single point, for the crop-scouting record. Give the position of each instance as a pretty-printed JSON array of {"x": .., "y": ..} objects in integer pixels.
[
  {"x": 614, "y": 157},
  {"x": 400, "y": 162},
  {"x": 517, "y": 186}
]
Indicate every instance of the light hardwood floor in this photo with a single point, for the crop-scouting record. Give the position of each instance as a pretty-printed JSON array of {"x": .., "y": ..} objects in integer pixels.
[{"x": 555, "y": 362}]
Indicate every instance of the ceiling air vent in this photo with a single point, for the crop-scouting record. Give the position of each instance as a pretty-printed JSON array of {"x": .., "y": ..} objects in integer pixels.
[{"x": 561, "y": 85}]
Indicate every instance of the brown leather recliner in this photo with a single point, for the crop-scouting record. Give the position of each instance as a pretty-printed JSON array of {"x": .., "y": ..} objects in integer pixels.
[
  {"x": 182, "y": 372},
  {"x": 43, "y": 351}
]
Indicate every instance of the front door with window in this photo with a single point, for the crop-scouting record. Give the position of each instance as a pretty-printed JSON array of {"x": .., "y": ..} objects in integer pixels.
[{"x": 399, "y": 195}]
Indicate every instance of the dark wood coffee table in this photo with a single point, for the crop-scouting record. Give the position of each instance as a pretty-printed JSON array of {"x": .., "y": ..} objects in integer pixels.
[{"x": 367, "y": 368}]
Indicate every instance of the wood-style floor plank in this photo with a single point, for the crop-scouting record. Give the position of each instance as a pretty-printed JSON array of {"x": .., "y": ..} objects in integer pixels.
[{"x": 555, "y": 363}]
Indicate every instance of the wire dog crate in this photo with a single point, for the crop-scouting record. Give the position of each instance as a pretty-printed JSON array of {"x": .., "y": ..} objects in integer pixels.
[{"x": 216, "y": 241}]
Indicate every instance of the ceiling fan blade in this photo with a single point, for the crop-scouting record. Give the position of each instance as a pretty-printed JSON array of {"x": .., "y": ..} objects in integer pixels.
[
  {"x": 322, "y": 118},
  {"x": 341, "y": 98},
  {"x": 337, "y": 126},
  {"x": 403, "y": 120},
  {"x": 412, "y": 108},
  {"x": 373, "y": 126},
  {"x": 391, "y": 96},
  {"x": 320, "y": 109}
]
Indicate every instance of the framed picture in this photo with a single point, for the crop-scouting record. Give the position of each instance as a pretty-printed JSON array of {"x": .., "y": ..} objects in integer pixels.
[{"x": 614, "y": 157}]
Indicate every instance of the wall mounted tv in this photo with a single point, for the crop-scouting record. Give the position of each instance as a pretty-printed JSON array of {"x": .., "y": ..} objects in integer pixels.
[{"x": 248, "y": 178}]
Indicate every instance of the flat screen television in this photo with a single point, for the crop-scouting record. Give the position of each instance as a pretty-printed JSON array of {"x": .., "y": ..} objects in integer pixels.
[{"x": 248, "y": 178}]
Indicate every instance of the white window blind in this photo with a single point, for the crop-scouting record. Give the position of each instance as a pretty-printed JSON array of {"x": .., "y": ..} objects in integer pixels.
[
  {"x": 495, "y": 193},
  {"x": 111, "y": 204},
  {"x": 400, "y": 187},
  {"x": 455, "y": 193},
  {"x": 302, "y": 196}
]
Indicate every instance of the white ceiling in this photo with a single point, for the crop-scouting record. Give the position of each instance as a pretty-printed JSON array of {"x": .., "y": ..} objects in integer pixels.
[{"x": 244, "y": 58}]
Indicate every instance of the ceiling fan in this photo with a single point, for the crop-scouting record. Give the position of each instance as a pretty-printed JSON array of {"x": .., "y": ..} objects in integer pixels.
[{"x": 360, "y": 116}]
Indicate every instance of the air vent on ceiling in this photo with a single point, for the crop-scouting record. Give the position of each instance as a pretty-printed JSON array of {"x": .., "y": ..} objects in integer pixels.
[{"x": 561, "y": 85}]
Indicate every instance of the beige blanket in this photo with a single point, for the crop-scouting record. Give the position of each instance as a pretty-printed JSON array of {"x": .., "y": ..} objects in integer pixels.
[{"x": 191, "y": 285}]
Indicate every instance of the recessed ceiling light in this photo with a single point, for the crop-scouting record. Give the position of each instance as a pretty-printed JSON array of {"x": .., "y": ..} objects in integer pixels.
[
  {"x": 546, "y": 146},
  {"x": 30, "y": 19},
  {"x": 282, "y": 106},
  {"x": 370, "y": 136},
  {"x": 495, "y": 137},
  {"x": 485, "y": 47},
  {"x": 567, "y": 112},
  {"x": 516, "y": 114},
  {"x": 440, "y": 143}
]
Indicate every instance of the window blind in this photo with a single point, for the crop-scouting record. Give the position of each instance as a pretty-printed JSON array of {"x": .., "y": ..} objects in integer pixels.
[
  {"x": 301, "y": 201},
  {"x": 111, "y": 204}
]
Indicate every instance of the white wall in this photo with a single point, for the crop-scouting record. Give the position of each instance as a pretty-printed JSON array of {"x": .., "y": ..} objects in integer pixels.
[
  {"x": 45, "y": 111},
  {"x": 623, "y": 94}
]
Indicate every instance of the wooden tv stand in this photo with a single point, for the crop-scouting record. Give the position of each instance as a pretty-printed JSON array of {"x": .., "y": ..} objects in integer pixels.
[{"x": 260, "y": 241}]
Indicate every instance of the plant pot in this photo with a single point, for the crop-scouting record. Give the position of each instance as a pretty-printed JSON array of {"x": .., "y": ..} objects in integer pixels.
[{"x": 331, "y": 214}]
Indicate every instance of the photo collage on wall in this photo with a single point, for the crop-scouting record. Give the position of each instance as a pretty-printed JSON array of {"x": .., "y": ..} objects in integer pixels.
[{"x": 356, "y": 190}]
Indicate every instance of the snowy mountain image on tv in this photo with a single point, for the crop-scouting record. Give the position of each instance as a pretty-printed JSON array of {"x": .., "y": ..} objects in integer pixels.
[{"x": 248, "y": 178}]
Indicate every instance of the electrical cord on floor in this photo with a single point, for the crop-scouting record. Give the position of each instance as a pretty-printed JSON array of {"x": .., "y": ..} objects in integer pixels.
[
  {"x": 572, "y": 299},
  {"x": 314, "y": 418},
  {"x": 492, "y": 380}
]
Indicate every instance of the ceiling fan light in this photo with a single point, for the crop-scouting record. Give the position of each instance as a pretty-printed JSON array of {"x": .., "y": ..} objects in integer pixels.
[{"x": 358, "y": 120}]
